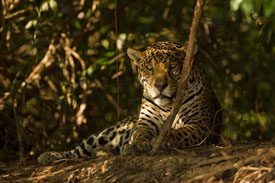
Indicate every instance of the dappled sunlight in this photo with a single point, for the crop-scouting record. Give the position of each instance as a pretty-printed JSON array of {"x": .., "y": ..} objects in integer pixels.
[{"x": 65, "y": 74}]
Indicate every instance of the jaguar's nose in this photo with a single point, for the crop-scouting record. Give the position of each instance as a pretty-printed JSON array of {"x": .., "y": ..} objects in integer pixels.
[{"x": 161, "y": 86}]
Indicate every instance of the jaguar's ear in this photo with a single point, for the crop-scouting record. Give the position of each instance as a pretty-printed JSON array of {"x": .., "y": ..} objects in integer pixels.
[{"x": 134, "y": 55}]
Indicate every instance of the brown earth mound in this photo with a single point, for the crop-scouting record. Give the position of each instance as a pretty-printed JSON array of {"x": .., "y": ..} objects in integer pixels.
[{"x": 244, "y": 163}]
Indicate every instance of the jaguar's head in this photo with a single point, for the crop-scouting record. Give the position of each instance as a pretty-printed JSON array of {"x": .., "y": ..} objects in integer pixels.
[{"x": 159, "y": 70}]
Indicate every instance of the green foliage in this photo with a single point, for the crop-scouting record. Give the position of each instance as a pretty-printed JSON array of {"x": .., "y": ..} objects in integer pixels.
[
  {"x": 69, "y": 57},
  {"x": 254, "y": 81}
]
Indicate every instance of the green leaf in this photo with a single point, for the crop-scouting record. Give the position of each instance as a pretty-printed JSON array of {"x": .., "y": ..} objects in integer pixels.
[
  {"x": 31, "y": 23},
  {"x": 53, "y": 4},
  {"x": 110, "y": 54},
  {"x": 261, "y": 30},
  {"x": 235, "y": 4},
  {"x": 77, "y": 24},
  {"x": 247, "y": 7},
  {"x": 145, "y": 20},
  {"x": 105, "y": 43},
  {"x": 269, "y": 33},
  {"x": 90, "y": 70},
  {"x": 269, "y": 7},
  {"x": 102, "y": 61}
]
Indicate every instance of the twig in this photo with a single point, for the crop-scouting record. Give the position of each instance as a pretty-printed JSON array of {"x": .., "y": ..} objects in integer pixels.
[
  {"x": 44, "y": 63},
  {"x": 117, "y": 57},
  {"x": 185, "y": 72},
  {"x": 255, "y": 171},
  {"x": 219, "y": 159},
  {"x": 109, "y": 97},
  {"x": 78, "y": 57},
  {"x": 209, "y": 58},
  {"x": 18, "y": 124},
  {"x": 9, "y": 16},
  {"x": 236, "y": 165}
]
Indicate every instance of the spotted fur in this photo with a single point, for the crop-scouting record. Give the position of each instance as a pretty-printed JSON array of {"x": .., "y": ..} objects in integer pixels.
[{"x": 159, "y": 71}]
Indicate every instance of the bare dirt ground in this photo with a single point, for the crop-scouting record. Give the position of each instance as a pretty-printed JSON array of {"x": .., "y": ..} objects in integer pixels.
[{"x": 244, "y": 163}]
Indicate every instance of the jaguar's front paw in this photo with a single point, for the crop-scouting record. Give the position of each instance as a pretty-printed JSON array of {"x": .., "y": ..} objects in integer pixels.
[
  {"x": 141, "y": 147},
  {"x": 165, "y": 145},
  {"x": 138, "y": 147},
  {"x": 49, "y": 157}
]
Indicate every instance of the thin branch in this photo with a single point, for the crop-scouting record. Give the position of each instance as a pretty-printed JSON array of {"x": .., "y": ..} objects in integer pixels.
[
  {"x": 108, "y": 96},
  {"x": 44, "y": 63},
  {"x": 9, "y": 16},
  {"x": 185, "y": 72},
  {"x": 237, "y": 165},
  {"x": 116, "y": 58}
]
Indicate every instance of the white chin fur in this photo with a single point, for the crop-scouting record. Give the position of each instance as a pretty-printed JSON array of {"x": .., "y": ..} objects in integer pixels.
[{"x": 162, "y": 102}]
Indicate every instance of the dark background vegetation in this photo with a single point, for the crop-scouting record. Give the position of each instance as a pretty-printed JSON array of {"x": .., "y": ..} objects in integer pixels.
[{"x": 64, "y": 73}]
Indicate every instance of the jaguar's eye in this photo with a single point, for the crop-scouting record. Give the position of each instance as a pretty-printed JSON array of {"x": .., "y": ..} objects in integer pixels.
[
  {"x": 175, "y": 72},
  {"x": 149, "y": 67},
  {"x": 173, "y": 65}
]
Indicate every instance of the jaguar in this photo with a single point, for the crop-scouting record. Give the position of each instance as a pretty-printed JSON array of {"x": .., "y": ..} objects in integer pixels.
[{"x": 198, "y": 121}]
